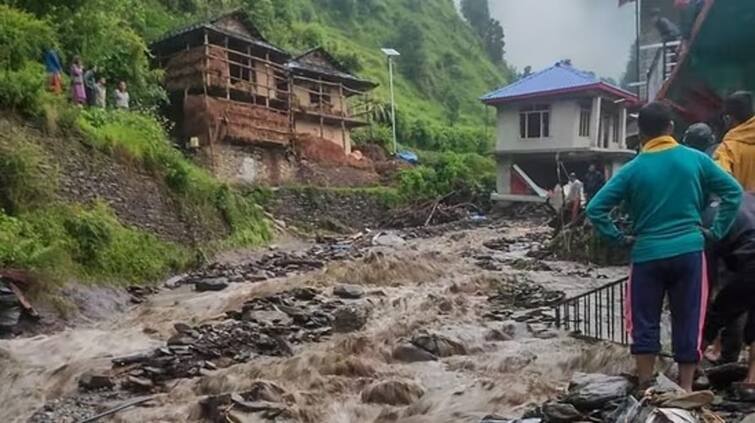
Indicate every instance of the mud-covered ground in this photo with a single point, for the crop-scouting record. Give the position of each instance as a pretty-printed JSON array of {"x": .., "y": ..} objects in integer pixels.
[{"x": 448, "y": 326}]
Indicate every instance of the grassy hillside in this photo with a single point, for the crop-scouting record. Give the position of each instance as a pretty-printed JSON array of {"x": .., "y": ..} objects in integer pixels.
[
  {"x": 441, "y": 73},
  {"x": 439, "y": 77},
  {"x": 456, "y": 63},
  {"x": 450, "y": 56}
]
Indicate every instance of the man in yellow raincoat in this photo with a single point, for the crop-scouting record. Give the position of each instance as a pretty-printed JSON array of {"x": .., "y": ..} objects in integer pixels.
[{"x": 737, "y": 151}]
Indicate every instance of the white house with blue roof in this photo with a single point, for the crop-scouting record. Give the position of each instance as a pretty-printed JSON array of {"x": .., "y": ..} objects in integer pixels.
[{"x": 558, "y": 115}]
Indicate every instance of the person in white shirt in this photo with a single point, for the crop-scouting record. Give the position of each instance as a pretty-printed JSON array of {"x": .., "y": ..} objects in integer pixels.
[
  {"x": 574, "y": 195},
  {"x": 100, "y": 93},
  {"x": 121, "y": 96}
]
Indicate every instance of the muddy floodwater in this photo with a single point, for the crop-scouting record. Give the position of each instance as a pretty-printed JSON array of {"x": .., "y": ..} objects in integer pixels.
[{"x": 427, "y": 329}]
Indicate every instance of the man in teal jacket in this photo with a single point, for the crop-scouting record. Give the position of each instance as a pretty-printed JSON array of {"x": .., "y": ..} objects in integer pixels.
[{"x": 664, "y": 190}]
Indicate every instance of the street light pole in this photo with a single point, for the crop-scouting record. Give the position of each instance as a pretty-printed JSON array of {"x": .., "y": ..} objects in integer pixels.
[
  {"x": 391, "y": 53},
  {"x": 393, "y": 105}
]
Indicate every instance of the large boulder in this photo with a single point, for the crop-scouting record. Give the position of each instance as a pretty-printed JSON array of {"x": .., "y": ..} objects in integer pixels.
[
  {"x": 349, "y": 319},
  {"x": 393, "y": 392},
  {"x": 214, "y": 284},
  {"x": 595, "y": 391},
  {"x": 349, "y": 292},
  {"x": 438, "y": 345},
  {"x": 92, "y": 381},
  {"x": 409, "y": 353},
  {"x": 558, "y": 412}
]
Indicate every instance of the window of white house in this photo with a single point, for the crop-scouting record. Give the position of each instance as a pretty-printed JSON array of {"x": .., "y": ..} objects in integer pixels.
[
  {"x": 585, "y": 115},
  {"x": 535, "y": 121}
]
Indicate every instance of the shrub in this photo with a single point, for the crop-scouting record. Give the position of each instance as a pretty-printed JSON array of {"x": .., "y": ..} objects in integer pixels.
[
  {"x": 374, "y": 134},
  {"x": 23, "y": 37},
  {"x": 66, "y": 241},
  {"x": 470, "y": 176},
  {"x": 306, "y": 35},
  {"x": 23, "y": 183},
  {"x": 91, "y": 233},
  {"x": 244, "y": 216},
  {"x": 22, "y": 246},
  {"x": 23, "y": 90},
  {"x": 460, "y": 139}
]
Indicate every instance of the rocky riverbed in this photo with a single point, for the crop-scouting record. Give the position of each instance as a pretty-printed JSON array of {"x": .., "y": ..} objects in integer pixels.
[{"x": 450, "y": 324}]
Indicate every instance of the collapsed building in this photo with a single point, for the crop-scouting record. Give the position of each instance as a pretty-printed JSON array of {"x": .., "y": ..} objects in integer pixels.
[
  {"x": 241, "y": 104},
  {"x": 555, "y": 122},
  {"x": 707, "y": 72}
]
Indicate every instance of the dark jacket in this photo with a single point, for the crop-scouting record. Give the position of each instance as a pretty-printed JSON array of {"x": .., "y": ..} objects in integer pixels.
[
  {"x": 594, "y": 181},
  {"x": 737, "y": 248}
]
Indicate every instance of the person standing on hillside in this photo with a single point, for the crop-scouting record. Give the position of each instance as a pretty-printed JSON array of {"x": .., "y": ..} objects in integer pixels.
[
  {"x": 665, "y": 190},
  {"x": 594, "y": 181},
  {"x": 100, "y": 93},
  {"x": 90, "y": 82},
  {"x": 54, "y": 69},
  {"x": 736, "y": 154},
  {"x": 78, "y": 93},
  {"x": 122, "y": 98}
]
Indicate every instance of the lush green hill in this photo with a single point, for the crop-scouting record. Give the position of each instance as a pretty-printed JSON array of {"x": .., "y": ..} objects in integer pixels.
[
  {"x": 442, "y": 59},
  {"x": 441, "y": 73}
]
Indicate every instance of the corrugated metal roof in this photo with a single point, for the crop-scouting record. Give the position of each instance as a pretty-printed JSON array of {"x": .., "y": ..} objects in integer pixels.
[
  {"x": 335, "y": 69},
  {"x": 209, "y": 23},
  {"x": 559, "y": 78}
]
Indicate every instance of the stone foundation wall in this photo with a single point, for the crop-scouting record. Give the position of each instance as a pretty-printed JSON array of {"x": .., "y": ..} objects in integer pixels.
[{"x": 249, "y": 164}]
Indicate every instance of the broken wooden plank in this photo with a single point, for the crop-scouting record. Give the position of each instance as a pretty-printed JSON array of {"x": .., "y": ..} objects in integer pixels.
[{"x": 117, "y": 408}]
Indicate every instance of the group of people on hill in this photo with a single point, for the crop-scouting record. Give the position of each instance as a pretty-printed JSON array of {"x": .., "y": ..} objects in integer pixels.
[
  {"x": 88, "y": 88},
  {"x": 692, "y": 209}
]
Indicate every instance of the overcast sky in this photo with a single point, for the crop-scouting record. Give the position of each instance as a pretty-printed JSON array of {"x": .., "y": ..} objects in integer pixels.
[{"x": 595, "y": 34}]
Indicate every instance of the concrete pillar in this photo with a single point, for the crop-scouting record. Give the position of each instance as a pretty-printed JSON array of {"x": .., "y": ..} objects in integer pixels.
[
  {"x": 503, "y": 175},
  {"x": 597, "y": 104},
  {"x": 622, "y": 126}
]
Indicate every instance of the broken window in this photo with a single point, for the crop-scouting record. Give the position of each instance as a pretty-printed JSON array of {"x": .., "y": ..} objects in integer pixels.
[
  {"x": 319, "y": 98},
  {"x": 585, "y": 115},
  {"x": 534, "y": 121},
  {"x": 240, "y": 68}
]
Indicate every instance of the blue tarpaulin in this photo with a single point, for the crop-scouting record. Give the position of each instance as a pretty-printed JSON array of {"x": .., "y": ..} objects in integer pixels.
[{"x": 408, "y": 156}]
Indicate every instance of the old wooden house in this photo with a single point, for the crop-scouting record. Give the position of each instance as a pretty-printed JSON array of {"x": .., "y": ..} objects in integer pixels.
[
  {"x": 240, "y": 102},
  {"x": 321, "y": 103}
]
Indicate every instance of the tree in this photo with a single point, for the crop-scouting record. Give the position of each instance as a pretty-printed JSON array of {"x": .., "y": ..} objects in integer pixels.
[
  {"x": 262, "y": 13},
  {"x": 413, "y": 62},
  {"x": 453, "y": 106},
  {"x": 477, "y": 14},
  {"x": 345, "y": 7},
  {"x": 494, "y": 41}
]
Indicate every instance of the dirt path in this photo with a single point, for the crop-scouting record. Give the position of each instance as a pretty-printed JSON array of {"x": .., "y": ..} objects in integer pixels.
[{"x": 436, "y": 287}]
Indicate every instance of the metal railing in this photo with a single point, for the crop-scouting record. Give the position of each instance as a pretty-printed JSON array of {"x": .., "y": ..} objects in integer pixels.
[{"x": 597, "y": 314}]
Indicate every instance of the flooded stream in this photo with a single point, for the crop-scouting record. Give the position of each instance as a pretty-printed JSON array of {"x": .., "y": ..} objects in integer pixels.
[{"x": 437, "y": 287}]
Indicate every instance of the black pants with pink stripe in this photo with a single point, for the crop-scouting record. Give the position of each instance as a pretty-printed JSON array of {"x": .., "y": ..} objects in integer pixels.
[
  {"x": 684, "y": 279},
  {"x": 736, "y": 298}
]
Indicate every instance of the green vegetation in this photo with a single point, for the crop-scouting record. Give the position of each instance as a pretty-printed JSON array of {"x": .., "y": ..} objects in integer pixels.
[
  {"x": 65, "y": 241},
  {"x": 59, "y": 240},
  {"x": 470, "y": 177},
  {"x": 446, "y": 64}
]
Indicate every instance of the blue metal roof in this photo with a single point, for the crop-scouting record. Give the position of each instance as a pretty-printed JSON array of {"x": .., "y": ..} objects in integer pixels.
[{"x": 561, "y": 77}]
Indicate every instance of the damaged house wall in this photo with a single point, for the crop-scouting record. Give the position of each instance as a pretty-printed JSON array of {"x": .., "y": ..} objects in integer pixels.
[{"x": 233, "y": 94}]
